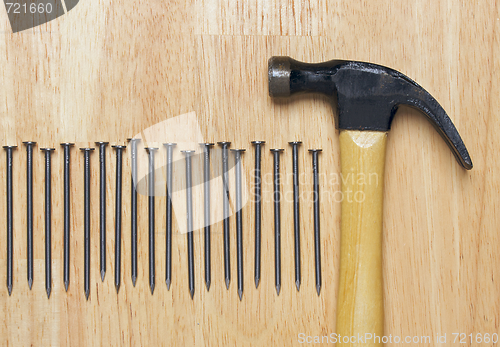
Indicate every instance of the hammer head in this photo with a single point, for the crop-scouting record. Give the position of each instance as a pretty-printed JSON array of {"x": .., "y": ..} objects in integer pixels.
[{"x": 368, "y": 95}]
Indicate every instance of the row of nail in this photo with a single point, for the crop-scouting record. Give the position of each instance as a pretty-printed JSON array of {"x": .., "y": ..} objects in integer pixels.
[{"x": 169, "y": 216}]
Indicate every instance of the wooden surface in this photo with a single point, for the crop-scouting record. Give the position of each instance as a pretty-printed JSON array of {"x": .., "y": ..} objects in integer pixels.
[{"x": 109, "y": 69}]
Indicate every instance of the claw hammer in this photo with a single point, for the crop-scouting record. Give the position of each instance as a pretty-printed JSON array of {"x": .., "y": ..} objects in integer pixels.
[{"x": 367, "y": 97}]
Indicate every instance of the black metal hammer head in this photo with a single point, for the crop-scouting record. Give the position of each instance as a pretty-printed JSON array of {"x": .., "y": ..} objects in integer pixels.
[{"x": 368, "y": 95}]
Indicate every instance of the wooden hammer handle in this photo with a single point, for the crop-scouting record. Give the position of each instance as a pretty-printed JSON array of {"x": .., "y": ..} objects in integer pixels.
[{"x": 360, "y": 308}]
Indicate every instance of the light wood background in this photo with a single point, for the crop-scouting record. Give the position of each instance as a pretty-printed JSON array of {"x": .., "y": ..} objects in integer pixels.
[{"x": 109, "y": 69}]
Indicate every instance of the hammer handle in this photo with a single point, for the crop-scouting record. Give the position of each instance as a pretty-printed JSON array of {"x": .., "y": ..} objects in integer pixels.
[{"x": 360, "y": 308}]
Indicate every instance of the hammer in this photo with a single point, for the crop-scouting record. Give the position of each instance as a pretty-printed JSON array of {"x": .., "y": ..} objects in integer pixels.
[{"x": 367, "y": 97}]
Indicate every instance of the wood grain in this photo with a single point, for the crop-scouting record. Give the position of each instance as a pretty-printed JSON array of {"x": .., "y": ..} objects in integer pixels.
[
  {"x": 360, "y": 304},
  {"x": 107, "y": 70}
]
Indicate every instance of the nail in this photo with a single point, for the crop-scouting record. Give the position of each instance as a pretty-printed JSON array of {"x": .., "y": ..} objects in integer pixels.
[
  {"x": 168, "y": 252},
  {"x": 29, "y": 209},
  {"x": 48, "y": 220},
  {"x": 317, "y": 249},
  {"x": 225, "y": 201},
  {"x": 277, "y": 219},
  {"x": 296, "y": 210},
  {"x": 189, "y": 215},
  {"x": 239, "y": 217},
  {"x": 206, "y": 184},
  {"x": 118, "y": 215},
  {"x": 10, "y": 217},
  {"x": 133, "y": 207},
  {"x": 258, "y": 209},
  {"x": 151, "y": 193},
  {"x": 86, "y": 218},
  {"x": 67, "y": 212},
  {"x": 102, "y": 206}
]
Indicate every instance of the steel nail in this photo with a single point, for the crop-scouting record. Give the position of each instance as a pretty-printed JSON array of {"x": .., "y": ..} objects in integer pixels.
[
  {"x": 189, "y": 215},
  {"x": 206, "y": 185},
  {"x": 118, "y": 215},
  {"x": 277, "y": 219},
  {"x": 225, "y": 200},
  {"x": 258, "y": 209},
  {"x": 86, "y": 217},
  {"x": 151, "y": 194},
  {"x": 48, "y": 220},
  {"x": 239, "y": 218},
  {"x": 317, "y": 245},
  {"x": 296, "y": 210},
  {"x": 10, "y": 218},
  {"x": 67, "y": 212},
  {"x": 169, "y": 216},
  {"x": 29, "y": 210},
  {"x": 133, "y": 208},
  {"x": 102, "y": 207}
]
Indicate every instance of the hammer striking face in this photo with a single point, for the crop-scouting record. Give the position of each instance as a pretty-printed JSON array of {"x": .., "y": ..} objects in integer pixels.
[{"x": 367, "y": 97}]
